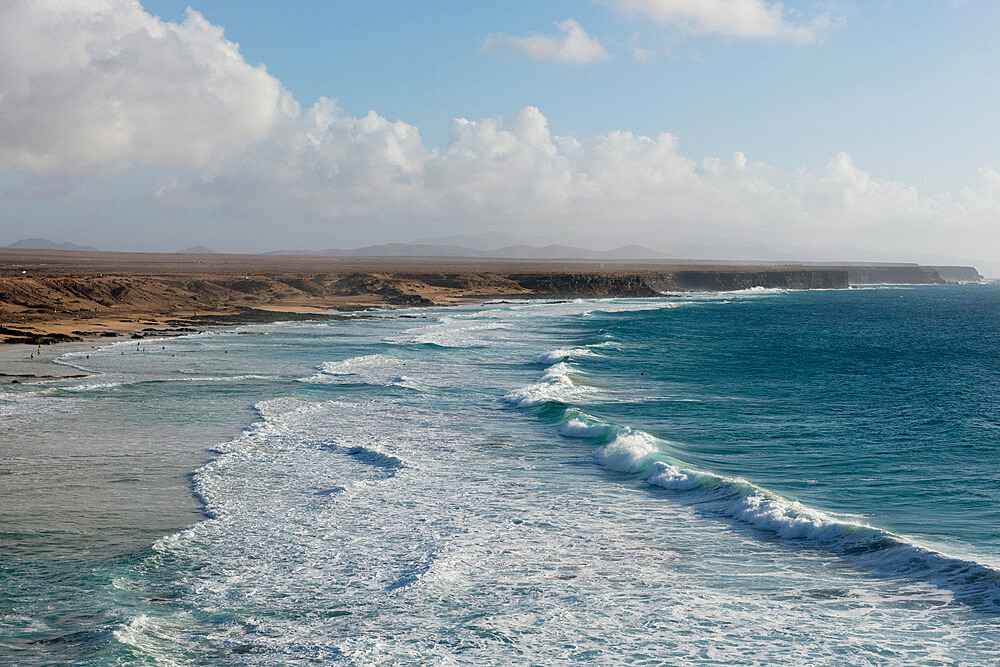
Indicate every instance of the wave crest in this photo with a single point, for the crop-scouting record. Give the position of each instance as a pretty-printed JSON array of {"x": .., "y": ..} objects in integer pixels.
[{"x": 628, "y": 450}]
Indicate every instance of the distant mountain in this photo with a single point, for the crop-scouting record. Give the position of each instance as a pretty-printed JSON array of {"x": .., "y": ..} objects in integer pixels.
[
  {"x": 485, "y": 241},
  {"x": 388, "y": 250},
  {"x": 45, "y": 244},
  {"x": 196, "y": 250},
  {"x": 553, "y": 251}
]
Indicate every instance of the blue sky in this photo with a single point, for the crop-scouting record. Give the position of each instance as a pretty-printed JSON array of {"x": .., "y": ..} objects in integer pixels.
[
  {"x": 877, "y": 117},
  {"x": 909, "y": 89}
]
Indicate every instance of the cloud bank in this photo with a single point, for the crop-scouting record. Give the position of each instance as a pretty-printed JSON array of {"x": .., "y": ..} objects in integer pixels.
[
  {"x": 574, "y": 45},
  {"x": 132, "y": 91}
]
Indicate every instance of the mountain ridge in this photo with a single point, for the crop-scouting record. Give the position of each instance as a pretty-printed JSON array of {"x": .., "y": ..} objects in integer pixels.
[{"x": 38, "y": 243}]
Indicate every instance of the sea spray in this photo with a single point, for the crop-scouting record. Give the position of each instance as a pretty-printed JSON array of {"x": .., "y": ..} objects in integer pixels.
[{"x": 554, "y": 384}]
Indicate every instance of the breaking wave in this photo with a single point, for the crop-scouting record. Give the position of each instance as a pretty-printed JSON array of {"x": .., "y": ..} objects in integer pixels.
[
  {"x": 656, "y": 461},
  {"x": 372, "y": 369}
]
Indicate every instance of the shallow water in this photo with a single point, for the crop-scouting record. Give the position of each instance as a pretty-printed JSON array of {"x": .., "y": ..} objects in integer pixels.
[{"x": 780, "y": 477}]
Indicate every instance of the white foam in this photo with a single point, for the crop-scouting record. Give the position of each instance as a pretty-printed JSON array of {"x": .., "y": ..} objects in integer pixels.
[
  {"x": 555, "y": 384},
  {"x": 580, "y": 427},
  {"x": 32, "y": 405},
  {"x": 629, "y": 451},
  {"x": 371, "y": 369},
  {"x": 450, "y": 331},
  {"x": 634, "y": 451},
  {"x": 138, "y": 380},
  {"x": 637, "y": 452},
  {"x": 632, "y": 307},
  {"x": 555, "y": 356}
]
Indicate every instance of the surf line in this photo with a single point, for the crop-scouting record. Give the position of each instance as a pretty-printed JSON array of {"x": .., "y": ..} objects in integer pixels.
[{"x": 632, "y": 451}]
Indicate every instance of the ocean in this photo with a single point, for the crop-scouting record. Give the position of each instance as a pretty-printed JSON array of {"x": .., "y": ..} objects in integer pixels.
[{"x": 758, "y": 477}]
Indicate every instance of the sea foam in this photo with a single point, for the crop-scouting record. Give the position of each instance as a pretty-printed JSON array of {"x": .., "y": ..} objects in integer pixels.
[
  {"x": 372, "y": 369},
  {"x": 555, "y": 384},
  {"x": 555, "y": 356},
  {"x": 627, "y": 450}
]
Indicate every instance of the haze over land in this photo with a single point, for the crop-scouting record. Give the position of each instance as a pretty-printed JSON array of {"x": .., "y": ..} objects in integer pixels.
[{"x": 747, "y": 130}]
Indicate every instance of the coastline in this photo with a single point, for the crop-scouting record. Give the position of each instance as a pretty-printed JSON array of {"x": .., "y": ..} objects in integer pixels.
[
  {"x": 21, "y": 363},
  {"x": 413, "y": 455},
  {"x": 71, "y": 296},
  {"x": 56, "y": 301}
]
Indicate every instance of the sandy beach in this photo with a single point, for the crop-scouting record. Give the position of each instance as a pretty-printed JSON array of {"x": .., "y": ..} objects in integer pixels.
[
  {"x": 57, "y": 296},
  {"x": 28, "y": 363}
]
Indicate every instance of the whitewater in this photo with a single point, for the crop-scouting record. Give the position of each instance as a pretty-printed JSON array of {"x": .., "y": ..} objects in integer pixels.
[{"x": 753, "y": 477}]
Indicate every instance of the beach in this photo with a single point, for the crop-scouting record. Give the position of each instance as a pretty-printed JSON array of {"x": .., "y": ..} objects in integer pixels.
[
  {"x": 55, "y": 296},
  {"x": 532, "y": 479}
]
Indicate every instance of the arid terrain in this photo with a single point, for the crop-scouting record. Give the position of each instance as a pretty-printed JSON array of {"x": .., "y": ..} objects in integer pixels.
[{"x": 56, "y": 296}]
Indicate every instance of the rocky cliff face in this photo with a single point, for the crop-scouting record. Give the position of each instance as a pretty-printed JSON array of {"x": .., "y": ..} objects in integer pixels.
[
  {"x": 958, "y": 274},
  {"x": 650, "y": 284},
  {"x": 595, "y": 285},
  {"x": 728, "y": 280},
  {"x": 901, "y": 274}
]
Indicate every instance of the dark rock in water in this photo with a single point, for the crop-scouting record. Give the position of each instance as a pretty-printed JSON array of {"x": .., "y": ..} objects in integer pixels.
[
  {"x": 43, "y": 339},
  {"x": 258, "y": 316},
  {"x": 409, "y": 300}
]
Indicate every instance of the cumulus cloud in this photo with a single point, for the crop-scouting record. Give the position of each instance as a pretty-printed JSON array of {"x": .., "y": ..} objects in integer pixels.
[
  {"x": 126, "y": 90},
  {"x": 741, "y": 19},
  {"x": 573, "y": 45},
  {"x": 517, "y": 175},
  {"x": 99, "y": 83}
]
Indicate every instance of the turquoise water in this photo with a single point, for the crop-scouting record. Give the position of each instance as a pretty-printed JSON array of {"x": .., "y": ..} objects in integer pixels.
[{"x": 765, "y": 476}]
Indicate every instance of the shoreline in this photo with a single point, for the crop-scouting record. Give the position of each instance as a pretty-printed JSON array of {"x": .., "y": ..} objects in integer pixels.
[
  {"x": 22, "y": 363},
  {"x": 27, "y": 364},
  {"x": 61, "y": 296}
]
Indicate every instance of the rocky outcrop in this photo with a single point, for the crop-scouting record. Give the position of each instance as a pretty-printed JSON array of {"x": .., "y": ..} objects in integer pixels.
[
  {"x": 93, "y": 296},
  {"x": 651, "y": 284},
  {"x": 594, "y": 285},
  {"x": 892, "y": 274},
  {"x": 729, "y": 280},
  {"x": 958, "y": 274}
]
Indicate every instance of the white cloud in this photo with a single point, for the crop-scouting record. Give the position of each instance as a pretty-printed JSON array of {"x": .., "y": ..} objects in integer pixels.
[
  {"x": 103, "y": 83},
  {"x": 518, "y": 176},
  {"x": 128, "y": 90},
  {"x": 741, "y": 19},
  {"x": 573, "y": 45}
]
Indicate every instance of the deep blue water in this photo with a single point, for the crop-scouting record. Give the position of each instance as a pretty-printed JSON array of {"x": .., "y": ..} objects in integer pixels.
[
  {"x": 882, "y": 403},
  {"x": 757, "y": 477}
]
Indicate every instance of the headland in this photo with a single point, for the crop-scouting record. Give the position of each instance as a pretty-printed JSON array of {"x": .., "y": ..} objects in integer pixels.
[{"x": 49, "y": 296}]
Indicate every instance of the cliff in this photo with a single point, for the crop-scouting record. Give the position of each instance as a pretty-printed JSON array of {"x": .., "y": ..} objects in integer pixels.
[
  {"x": 958, "y": 274},
  {"x": 48, "y": 292},
  {"x": 716, "y": 280},
  {"x": 892, "y": 274}
]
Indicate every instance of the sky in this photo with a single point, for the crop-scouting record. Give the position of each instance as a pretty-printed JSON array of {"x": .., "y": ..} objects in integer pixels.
[{"x": 827, "y": 129}]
